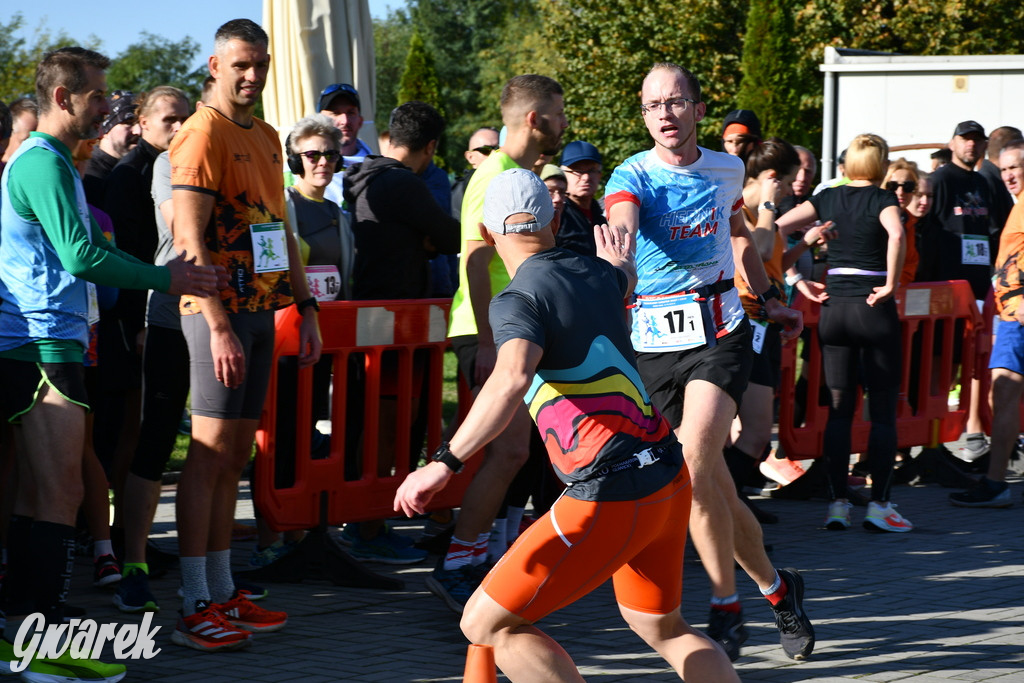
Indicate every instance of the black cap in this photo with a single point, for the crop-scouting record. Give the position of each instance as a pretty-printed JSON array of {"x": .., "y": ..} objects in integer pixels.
[
  {"x": 745, "y": 118},
  {"x": 122, "y": 110},
  {"x": 328, "y": 94},
  {"x": 967, "y": 127}
]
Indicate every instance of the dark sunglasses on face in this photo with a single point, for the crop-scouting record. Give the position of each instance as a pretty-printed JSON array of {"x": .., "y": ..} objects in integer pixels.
[
  {"x": 314, "y": 156},
  {"x": 906, "y": 185},
  {"x": 484, "y": 149}
]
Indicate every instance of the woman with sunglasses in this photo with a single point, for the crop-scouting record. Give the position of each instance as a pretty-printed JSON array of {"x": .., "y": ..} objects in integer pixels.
[
  {"x": 859, "y": 328},
  {"x": 902, "y": 179}
]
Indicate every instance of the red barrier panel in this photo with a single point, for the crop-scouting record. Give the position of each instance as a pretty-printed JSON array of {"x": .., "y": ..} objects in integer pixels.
[
  {"x": 929, "y": 312},
  {"x": 356, "y": 334}
]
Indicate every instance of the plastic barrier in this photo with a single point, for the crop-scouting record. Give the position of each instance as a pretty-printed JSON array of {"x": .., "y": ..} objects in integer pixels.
[
  {"x": 362, "y": 331},
  {"x": 929, "y": 312}
]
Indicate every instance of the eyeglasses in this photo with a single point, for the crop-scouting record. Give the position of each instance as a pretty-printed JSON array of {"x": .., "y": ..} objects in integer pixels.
[
  {"x": 484, "y": 149},
  {"x": 677, "y": 104},
  {"x": 906, "y": 186},
  {"x": 313, "y": 156}
]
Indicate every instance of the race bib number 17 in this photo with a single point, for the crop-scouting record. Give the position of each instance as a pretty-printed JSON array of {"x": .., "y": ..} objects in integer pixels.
[{"x": 668, "y": 323}]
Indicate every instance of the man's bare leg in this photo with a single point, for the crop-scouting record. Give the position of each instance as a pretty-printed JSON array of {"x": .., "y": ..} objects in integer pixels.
[
  {"x": 690, "y": 653},
  {"x": 521, "y": 650},
  {"x": 1007, "y": 388},
  {"x": 141, "y": 497}
]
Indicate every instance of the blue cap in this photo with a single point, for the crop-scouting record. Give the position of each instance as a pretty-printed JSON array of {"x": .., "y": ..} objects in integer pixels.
[
  {"x": 328, "y": 94},
  {"x": 578, "y": 150}
]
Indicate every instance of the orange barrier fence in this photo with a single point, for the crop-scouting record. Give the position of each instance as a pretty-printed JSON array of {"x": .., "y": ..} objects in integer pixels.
[
  {"x": 393, "y": 349},
  {"x": 930, "y": 313}
]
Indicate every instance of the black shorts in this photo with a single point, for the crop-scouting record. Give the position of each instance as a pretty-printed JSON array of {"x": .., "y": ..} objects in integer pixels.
[
  {"x": 726, "y": 365},
  {"x": 210, "y": 398},
  {"x": 465, "y": 348},
  {"x": 23, "y": 381},
  {"x": 768, "y": 364}
]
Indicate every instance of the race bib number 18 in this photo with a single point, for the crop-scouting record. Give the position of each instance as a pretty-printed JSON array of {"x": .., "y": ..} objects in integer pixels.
[{"x": 668, "y": 323}]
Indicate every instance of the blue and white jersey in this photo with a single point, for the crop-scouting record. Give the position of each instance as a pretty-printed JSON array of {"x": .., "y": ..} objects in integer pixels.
[{"x": 683, "y": 242}]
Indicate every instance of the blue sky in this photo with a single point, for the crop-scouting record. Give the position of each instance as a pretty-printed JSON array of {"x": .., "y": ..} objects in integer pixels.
[{"x": 118, "y": 26}]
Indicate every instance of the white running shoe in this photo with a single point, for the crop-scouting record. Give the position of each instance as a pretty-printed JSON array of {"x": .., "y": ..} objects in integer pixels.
[
  {"x": 838, "y": 515},
  {"x": 885, "y": 518}
]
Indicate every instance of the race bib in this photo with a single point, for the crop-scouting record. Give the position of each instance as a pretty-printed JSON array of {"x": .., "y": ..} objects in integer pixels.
[
  {"x": 324, "y": 282},
  {"x": 269, "y": 247},
  {"x": 974, "y": 250},
  {"x": 760, "y": 330},
  {"x": 667, "y": 323},
  {"x": 94, "y": 303}
]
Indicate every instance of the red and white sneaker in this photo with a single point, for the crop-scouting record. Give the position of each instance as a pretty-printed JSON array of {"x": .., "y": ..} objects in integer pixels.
[
  {"x": 244, "y": 613},
  {"x": 883, "y": 517},
  {"x": 208, "y": 631}
]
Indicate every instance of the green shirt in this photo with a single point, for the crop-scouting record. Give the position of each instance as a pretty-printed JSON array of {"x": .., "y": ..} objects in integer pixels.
[
  {"x": 462, "y": 321},
  {"x": 42, "y": 190}
]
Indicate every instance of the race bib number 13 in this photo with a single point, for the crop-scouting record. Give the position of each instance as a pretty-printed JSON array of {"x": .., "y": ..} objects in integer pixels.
[
  {"x": 669, "y": 323},
  {"x": 324, "y": 282}
]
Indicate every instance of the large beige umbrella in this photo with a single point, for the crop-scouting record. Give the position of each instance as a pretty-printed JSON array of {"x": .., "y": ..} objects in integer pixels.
[{"x": 314, "y": 43}]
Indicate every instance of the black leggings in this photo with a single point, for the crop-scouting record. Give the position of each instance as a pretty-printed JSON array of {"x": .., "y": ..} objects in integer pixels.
[
  {"x": 165, "y": 383},
  {"x": 860, "y": 345}
]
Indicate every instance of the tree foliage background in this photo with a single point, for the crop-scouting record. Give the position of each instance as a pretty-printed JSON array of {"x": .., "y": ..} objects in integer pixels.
[{"x": 761, "y": 54}]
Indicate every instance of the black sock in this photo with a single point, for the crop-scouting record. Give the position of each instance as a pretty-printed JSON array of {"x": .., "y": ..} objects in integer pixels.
[
  {"x": 16, "y": 593},
  {"x": 53, "y": 549}
]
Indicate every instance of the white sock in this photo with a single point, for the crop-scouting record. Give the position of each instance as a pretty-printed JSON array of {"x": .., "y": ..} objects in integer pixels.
[
  {"x": 218, "y": 576},
  {"x": 193, "y": 583},
  {"x": 101, "y": 548}
]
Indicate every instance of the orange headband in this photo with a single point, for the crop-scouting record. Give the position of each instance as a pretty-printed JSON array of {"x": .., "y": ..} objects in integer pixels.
[{"x": 735, "y": 128}]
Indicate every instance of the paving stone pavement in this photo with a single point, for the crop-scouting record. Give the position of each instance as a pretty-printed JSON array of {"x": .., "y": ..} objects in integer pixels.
[{"x": 942, "y": 603}]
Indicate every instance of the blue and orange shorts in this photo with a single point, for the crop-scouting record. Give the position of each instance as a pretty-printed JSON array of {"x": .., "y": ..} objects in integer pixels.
[{"x": 578, "y": 545}]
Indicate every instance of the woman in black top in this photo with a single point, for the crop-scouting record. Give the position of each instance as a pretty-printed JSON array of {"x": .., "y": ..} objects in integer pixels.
[{"x": 859, "y": 329}]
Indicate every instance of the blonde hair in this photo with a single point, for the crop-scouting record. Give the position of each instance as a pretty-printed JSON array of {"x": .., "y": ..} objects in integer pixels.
[
  {"x": 902, "y": 164},
  {"x": 867, "y": 158}
]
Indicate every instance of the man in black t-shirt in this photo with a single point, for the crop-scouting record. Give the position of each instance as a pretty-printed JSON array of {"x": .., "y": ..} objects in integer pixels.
[{"x": 564, "y": 348}]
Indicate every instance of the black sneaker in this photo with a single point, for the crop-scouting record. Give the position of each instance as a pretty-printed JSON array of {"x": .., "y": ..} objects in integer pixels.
[
  {"x": 106, "y": 571},
  {"x": 133, "y": 594},
  {"x": 985, "y": 494},
  {"x": 796, "y": 633},
  {"x": 727, "y": 629}
]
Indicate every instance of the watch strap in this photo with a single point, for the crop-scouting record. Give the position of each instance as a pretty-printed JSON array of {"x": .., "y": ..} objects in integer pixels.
[{"x": 443, "y": 454}]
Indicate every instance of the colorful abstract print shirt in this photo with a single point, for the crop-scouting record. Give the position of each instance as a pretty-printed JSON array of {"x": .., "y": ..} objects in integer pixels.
[{"x": 587, "y": 398}]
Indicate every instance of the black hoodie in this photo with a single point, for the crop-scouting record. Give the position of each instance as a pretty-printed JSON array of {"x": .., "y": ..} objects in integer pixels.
[{"x": 395, "y": 220}]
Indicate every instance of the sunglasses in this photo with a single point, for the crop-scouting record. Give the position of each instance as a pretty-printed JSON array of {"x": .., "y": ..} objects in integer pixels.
[
  {"x": 484, "y": 149},
  {"x": 906, "y": 186},
  {"x": 313, "y": 156}
]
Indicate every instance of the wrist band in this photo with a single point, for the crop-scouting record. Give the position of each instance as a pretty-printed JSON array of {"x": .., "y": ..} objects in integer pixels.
[
  {"x": 793, "y": 279},
  {"x": 310, "y": 302}
]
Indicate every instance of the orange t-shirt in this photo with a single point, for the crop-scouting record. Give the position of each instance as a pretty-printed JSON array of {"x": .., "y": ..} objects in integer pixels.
[
  {"x": 241, "y": 167},
  {"x": 1008, "y": 283},
  {"x": 772, "y": 268}
]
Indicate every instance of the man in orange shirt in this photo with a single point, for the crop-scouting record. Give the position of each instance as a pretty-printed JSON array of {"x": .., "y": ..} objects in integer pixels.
[
  {"x": 1007, "y": 359},
  {"x": 228, "y": 194}
]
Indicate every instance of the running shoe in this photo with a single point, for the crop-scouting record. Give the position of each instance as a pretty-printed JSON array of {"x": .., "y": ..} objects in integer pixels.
[
  {"x": 885, "y": 518},
  {"x": 253, "y": 591},
  {"x": 272, "y": 553},
  {"x": 454, "y": 586},
  {"x": 796, "y": 633},
  {"x": 244, "y": 613},
  {"x": 208, "y": 631},
  {"x": 387, "y": 547},
  {"x": 782, "y": 470},
  {"x": 437, "y": 523},
  {"x": 985, "y": 494},
  {"x": 838, "y": 515},
  {"x": 105, "y": 571},
  {"x": 133, "y": 594},
  {"x": 727, "y": 629},
  {"x": 67, "y": 669}
]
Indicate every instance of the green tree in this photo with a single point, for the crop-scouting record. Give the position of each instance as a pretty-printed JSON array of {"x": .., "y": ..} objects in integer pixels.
[
  {"x": 770, "y": 85},
  {"x": 391, "y": 45},
  {"x": 608, "y": 46},
  {"x": 19, "y": 56},
  {"x": 419, "y": 80},
  {"x": 155, "y": 60}
]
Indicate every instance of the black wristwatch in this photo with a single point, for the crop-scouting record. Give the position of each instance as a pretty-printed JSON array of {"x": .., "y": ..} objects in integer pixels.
[
  {"x": 769, "y": 206},
  {"x": 444, "y": 454},
  {"x": 311, "y": 301},
  {"x": 772, "y": 293}
]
